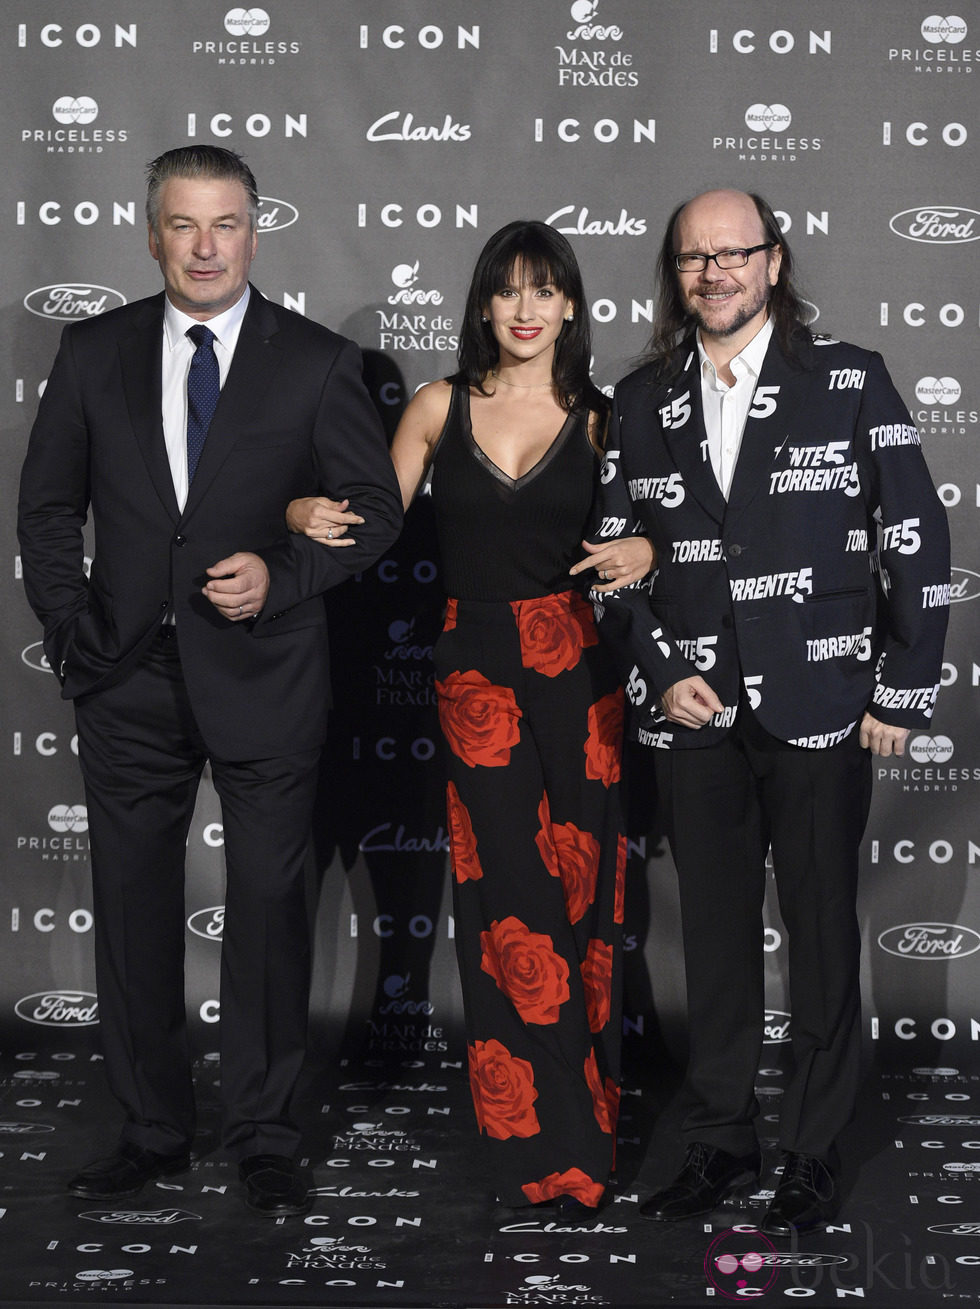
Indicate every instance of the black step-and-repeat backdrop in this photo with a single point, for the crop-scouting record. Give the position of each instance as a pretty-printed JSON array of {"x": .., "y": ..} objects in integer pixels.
[{"x": 389, "y": 140}]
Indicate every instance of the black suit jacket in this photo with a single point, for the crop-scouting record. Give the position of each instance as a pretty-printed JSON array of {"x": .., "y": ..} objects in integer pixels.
[
  {"x": 783, "y": 593},
  {"x": 294, "y": 419}
]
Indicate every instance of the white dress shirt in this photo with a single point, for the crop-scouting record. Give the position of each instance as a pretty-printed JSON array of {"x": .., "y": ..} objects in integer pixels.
[
  {"x": 178, "y": 351},
  {"x": 727, "y": 407}
]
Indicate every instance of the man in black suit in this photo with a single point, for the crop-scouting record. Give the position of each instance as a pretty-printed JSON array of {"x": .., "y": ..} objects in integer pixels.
[
  {"x": 199, "y": 637},
  {"x": 794, "y": 627}
]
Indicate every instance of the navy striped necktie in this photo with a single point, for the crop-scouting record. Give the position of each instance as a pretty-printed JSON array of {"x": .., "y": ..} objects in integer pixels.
[{"x": 203, "y": 389}]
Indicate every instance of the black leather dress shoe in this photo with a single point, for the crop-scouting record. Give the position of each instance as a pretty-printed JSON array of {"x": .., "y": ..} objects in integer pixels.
[
  {"x": 274, "y": 1186},
  {"x": 708, "y": 1176},
  {"x": 126, "y": 1172},
  {"x": 807, "y": 1197}
]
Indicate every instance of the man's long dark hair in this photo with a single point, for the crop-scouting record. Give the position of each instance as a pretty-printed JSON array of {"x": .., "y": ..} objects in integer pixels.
[
  {"x": 786, "y": 305},
  {"x": 542, "y": 257}
]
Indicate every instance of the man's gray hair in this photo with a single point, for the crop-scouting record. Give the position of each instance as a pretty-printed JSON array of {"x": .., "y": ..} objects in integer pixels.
[{"x": 210, "y": 161}]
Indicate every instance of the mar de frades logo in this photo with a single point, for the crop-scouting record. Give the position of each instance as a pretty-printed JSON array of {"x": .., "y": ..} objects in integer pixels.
[
  {"x": 59, "y": 1009},
  {"x": 929, "y": 941},
  {"x": 407, "y": 292},
  {"x": 937, "y": 390},
  {"x": 593, "y": 56},
  {"x": 587, "y": 27},
  {"x": 246, "y": 22},
  {"x": 937, "y": 30},
  {"x": 66, "y": 302},
  {"x": 937, "y": 224},
  {"x": 75, "y": 109}
]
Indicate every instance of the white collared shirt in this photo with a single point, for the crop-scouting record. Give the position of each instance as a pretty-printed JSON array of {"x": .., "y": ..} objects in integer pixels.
[
  {"x": 727, "y": 407},
  {"x": 178, "y": 350}
]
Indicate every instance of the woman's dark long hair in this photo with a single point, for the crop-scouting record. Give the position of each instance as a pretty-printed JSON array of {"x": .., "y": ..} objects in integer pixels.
[
  {"x": 544, "y": 257},
  {"x": 672, "y": 322}
]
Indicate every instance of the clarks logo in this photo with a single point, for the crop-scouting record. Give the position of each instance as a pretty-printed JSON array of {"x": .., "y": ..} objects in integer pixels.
[
  {"x": 937, "y": 225},
  {"x": 208, "y": 923},
  {"x": 275, "y": 214},
  {"x": 59, "y": 1008},
  {"x": 964, "y": 584},
  {"x": 65, "y": 302},
  {"x": 930, "y": 941}
]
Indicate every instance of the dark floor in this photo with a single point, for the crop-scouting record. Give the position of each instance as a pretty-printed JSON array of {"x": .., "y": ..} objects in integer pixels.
[{"x": 402, "y": 1220}]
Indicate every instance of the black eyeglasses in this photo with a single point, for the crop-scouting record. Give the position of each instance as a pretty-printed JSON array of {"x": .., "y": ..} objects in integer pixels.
[{"x": 696, "y": 263}]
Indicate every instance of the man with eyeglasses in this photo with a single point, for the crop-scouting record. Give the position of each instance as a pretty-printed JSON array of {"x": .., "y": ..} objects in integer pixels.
[{"x": 794, "y": 627}]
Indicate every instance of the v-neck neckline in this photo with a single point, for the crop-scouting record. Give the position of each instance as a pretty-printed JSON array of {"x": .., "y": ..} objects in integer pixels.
[{"x": 514, "y": 483}]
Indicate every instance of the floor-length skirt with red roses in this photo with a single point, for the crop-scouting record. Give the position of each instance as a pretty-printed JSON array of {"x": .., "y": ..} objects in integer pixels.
[{"x": 532, "y": 713}]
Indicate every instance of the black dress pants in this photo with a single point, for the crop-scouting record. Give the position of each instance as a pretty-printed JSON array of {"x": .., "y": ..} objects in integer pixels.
[
  {"x": 723, "y": 806},
  {"x": 142, "y": 757}
]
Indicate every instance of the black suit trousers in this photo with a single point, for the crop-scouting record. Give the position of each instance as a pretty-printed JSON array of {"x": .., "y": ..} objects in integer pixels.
[
  {"x": 142, "y": 757},
  {"x": 723, "y": 806}
]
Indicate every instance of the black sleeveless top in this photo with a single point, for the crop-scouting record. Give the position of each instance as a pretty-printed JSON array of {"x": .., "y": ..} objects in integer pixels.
[{"x": 502, "y": 539}]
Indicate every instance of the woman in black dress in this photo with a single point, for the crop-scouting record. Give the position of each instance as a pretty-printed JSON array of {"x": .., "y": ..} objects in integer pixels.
[{"x": 532, "y": 713}]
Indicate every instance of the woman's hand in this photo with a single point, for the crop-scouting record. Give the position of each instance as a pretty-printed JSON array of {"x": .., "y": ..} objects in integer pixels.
[
  {"x": 618, "y": 563},
  {"x": 324, "y": 520}
]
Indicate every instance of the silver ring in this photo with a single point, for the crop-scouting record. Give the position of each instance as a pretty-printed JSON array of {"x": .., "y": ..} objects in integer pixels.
[
  {"x": 239, "y": 611},
  {"x": 603, "y": 574},
  {"x": 329, "y": 533}
]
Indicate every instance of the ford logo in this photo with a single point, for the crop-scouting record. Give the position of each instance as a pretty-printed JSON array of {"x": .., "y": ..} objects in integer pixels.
[
  {"x": 59, "y": 1008},
  {"x": 208, "y": 923},
  {"x": 275, "y": 214},
  {"x": 66, "y": 302},
  {"x": 937, "y": 224},
  {"x": 34, "y": 657},
  {"x": 964, "y": 584},
  {"x": 930, "y": 941},
  {"x": 776, "y": 1027}
]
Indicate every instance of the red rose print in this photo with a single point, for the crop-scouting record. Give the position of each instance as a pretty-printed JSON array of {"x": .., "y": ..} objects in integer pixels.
[
  {"x": 554, "y": 630},
  {"x": 620, "y": 901},
  {"x": 597, "y": 980},
  {"x": 478, "y": 719},
  {"x": 503, "y": 1091},
  {"x": 449, "y": 622},
  {"x": 605, "y": 1099},
  {"x": 604, "y": 745},
  {"x": 571, "y": 1182},
  {"x": 526, "y": 968},
  {"x": 599, "y": 1106},
  {"x": 572, "y": 855},
  {"x": 544, "y": 840},
  {"x": 462, "y": 838}
]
